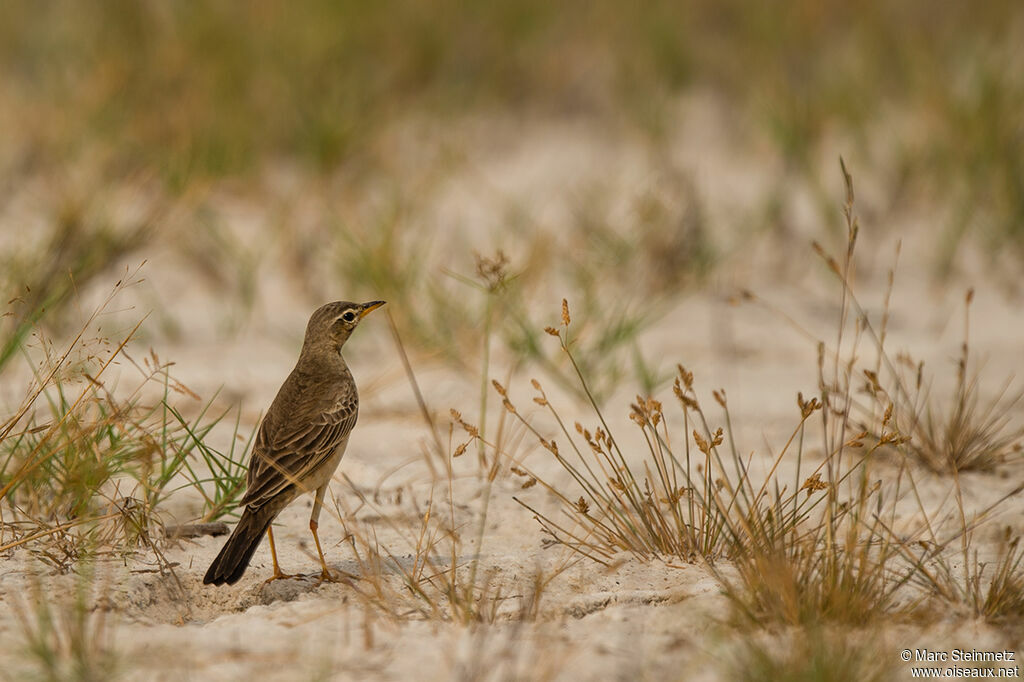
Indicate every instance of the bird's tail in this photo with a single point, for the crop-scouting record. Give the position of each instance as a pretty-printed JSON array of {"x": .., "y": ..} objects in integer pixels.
[{"x": 234, "y": 557}]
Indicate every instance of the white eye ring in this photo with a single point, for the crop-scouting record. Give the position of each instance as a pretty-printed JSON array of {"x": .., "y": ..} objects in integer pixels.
[{"x": 349, "y": 316}]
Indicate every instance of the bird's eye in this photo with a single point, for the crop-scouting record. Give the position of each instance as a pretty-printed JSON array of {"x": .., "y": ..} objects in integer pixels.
[{"x": 349, "y": 316}]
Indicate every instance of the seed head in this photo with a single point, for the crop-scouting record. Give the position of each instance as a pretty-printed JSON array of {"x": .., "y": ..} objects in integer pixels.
[{"x": 814, "y": 484}]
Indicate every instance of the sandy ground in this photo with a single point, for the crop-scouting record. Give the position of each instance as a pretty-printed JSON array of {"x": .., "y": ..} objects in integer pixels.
[{"x": 637, "y": 620}]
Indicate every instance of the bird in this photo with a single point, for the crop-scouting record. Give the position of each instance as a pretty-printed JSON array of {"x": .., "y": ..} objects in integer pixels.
[{"x": 300, "y": 441}]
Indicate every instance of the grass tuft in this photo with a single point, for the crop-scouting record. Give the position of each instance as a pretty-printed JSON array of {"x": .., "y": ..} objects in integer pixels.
[
  {"x": 810, "y": 541},
  {"x": 813, "y": 655},
  {"x": 85, "y": 466}
]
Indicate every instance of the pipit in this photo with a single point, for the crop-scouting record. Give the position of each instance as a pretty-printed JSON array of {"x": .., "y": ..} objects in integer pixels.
[{"x": 300, "y": 442}]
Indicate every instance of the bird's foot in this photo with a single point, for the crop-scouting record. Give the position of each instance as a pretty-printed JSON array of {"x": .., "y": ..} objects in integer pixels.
[
  {"x": 328, "y": 576},
  {"x": 278, "y": 575}
]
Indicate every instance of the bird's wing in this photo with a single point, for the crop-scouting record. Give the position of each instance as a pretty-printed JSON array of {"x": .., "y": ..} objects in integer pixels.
[{"x": 298, "y": 439}]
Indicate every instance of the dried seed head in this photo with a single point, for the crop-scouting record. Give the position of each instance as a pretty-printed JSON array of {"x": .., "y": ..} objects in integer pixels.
[
  {"x": 873, "y": 379},
  {"x": 969, "y": 298},
  {"x": 719, "y": 396},
  {"x": 529, "y": 483},
  {"x": 499, "y": 388},
  {"x": 540, "y": 401},
  {"x": 807, "y": 407},
  {"x": 459, "y": 450},
  {"x": 582, "y": 506},
  {"x": 848, "y": 181},
  {"x": 535, "y": 384},
  {"x": 857, "y": 441},
  {"x": 813, "y": 484},
  {"x": 468, "y": 428},
  {"x": 551, "y": 330},
  {"x": 675, "y": 495},
  {"x": 565, "y": 313},
  {"x": 508, "y": 405},
  {"x": 702, "y": 444},
  {"x": 687, "y": 377},
  {"x": 492, "y": 270}
]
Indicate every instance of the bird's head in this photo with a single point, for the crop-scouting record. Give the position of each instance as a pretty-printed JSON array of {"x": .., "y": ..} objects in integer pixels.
[{"x": 331, "y": 325}]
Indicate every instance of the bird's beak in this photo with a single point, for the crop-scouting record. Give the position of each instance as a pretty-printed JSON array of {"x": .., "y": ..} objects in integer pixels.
[{"x": 367, "y": 307}]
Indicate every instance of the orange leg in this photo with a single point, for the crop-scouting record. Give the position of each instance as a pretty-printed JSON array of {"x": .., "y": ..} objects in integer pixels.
[
  {"x": 318, "y": 501},
  {"x": 273, "y": 555},
  {"x": 325, "y": 573}
]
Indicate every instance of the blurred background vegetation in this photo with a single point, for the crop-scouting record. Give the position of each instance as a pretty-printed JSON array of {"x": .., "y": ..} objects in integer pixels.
[
  {"x": 189, "y": 95},
  {"x": 203, "y": 89}
]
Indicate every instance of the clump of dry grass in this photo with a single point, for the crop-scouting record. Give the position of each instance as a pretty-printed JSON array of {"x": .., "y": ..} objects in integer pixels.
[
  {"x": 1003, "y": 598},
  {"x": 949, "y": 572},
  {"x": 803, "y": 551},
  {"x": 990, "y": 590},
  {"x": 809, "y": 655},
  {"x": 815, "y": 547},
  {"x": 849, "y": 565},
  {"x": 961, "y": 432},
  {"x": 683, "y": 501},
  {"x": 84, "y": 469}
]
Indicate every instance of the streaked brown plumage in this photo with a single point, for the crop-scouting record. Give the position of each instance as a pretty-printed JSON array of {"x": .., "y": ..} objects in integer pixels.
[{"x": 301, "y": 440}]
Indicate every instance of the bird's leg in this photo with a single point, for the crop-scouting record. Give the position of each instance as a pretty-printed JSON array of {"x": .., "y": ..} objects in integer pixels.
[
  {"x": 273, "y": 555},
  {"x": 325, "y": 573},
  {"x": 318, "y": 502}
]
